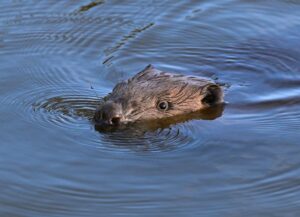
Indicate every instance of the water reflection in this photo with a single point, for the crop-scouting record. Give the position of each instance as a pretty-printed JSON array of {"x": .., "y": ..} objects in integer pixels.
[{"x": 243, "y": 161}]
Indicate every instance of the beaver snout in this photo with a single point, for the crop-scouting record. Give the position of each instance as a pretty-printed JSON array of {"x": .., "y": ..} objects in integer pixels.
[{"x": 110, "y": 114}]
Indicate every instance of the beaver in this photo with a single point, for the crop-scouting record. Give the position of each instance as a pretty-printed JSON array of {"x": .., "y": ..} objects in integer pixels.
[{"x": 154, "y": 94}]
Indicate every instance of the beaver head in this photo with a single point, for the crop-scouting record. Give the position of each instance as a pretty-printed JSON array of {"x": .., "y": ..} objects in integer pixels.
[{"x": 154, "y": 94}]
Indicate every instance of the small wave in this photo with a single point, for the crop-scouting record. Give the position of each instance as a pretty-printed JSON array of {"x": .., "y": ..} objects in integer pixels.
[{"x": 67, "y": 108}]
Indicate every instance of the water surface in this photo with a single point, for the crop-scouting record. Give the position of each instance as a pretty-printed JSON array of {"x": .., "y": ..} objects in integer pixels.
[{"x": 59, "y": 57}]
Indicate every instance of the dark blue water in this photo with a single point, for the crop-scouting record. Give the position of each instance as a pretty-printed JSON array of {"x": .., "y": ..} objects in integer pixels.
[{"x": 59, "y": 57}]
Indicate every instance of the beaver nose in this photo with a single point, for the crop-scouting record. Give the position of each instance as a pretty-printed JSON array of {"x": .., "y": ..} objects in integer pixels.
[{"x": 110, "y": 113}]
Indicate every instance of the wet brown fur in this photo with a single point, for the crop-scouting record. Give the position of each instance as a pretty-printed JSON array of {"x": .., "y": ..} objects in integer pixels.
[{"x": 138, "y": 98}]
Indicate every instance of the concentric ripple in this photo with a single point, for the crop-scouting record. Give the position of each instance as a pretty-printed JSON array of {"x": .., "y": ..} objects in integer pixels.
[
  {"x": 74, "y": 108},
  {"x": 59, "y": 58},
  {"x": 67, "y": 108},
  {"x": 137, "y": 140}
]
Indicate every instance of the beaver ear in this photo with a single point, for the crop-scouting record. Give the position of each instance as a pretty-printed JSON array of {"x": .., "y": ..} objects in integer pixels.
[
  {"x": 212, "y": 94},
  {"x": 147, "y": 72}
]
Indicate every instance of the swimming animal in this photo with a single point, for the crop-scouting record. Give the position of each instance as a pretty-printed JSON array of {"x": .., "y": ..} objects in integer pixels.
[{"x": 154, "y": 94}]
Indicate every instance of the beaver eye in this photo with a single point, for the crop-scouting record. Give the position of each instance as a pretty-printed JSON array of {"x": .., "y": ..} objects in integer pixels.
[{"x": 163, "y": 106}]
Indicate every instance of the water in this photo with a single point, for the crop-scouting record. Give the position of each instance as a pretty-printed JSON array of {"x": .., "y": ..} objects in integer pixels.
[{"x": 59, "y": 57}]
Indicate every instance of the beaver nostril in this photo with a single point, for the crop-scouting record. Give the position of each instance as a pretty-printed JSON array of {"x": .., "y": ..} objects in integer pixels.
[
  {"x": 109, "y": 113},
  {"x": 116, "y": 120}
]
